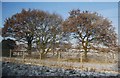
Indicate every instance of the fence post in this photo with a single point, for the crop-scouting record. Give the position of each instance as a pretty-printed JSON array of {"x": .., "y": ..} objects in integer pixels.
[
  {"x": 58, "y": 59},
  {"x": 106, "y": 60},
  {"x": 10, "y": 53},
  {"x": 81, "y": 60},
  {"x": 23, "y": 56},
  {"x": 40, "y": 56},
  {"x": 114, "y": 58}
]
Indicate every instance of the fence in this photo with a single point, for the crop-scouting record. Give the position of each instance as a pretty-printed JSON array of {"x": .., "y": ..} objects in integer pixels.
[{"x": 66, "y": 65}]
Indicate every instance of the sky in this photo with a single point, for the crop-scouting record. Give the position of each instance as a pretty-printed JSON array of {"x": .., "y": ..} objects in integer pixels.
[{"x": 60, "y": 0}]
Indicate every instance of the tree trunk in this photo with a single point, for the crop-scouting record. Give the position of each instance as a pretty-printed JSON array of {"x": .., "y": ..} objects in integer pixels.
[
  {"x": 85, "y": 54},
  {"x": 43, "y": 54},
  {"x": 57, "y": 53},
  {"x": 59, "y": 56},
  {"x": 53, "y": 52},
  {"x": 29, "y": 47},
  {"x": 85, "y": 47}
]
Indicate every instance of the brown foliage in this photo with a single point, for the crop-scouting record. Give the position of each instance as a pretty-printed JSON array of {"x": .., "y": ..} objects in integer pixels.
[
  {"x": 90, "y": 28},
  {"x": 29, "y": 25}
]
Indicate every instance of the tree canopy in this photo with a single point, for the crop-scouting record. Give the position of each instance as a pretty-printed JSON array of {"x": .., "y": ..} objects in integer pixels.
[
  {"x": 90, "y": 28},
  {"x": 29, "y": 25},
  {"x": 46, "y": 29}
]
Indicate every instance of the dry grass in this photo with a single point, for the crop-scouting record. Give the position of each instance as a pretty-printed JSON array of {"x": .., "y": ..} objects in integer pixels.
[
  {"x": 99, "y": 59},
  {"x": 57, "y": 64},
  {"x": 66, "y": 61}
]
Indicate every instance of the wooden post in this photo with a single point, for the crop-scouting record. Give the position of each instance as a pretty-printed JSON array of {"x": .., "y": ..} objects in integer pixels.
[
  {"x": 40, "y": 56},
  {"x": 23, "y": 56},
  {"x": 10, "y": 53},
  {"x": 58, "y": 58},
  {"x": 81, "y": 60},
  {"x": 106, "y": 58},
  {"x": 114, "y": 58}
]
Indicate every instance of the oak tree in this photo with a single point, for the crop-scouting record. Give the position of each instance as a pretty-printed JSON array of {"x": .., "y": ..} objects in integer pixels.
[
  {"x": 48, "y": 32},
  {"x": 90, "y": 28},
  {"x": 29, "y": 25}
]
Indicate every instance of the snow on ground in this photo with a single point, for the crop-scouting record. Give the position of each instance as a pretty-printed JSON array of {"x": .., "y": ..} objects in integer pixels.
[
  {"x": 13, "y": 69},
  {"x": 67, "y": 65}
]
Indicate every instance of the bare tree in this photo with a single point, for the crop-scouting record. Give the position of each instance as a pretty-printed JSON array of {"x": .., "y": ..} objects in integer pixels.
[
  {"x": 28, "y": 25},
  {"x": 90, "y": 28},
  {"x": 48, "y": 33}
]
